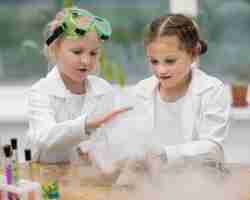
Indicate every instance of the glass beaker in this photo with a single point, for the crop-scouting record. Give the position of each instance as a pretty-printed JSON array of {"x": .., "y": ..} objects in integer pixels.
[{"x": 49, "y": 178}]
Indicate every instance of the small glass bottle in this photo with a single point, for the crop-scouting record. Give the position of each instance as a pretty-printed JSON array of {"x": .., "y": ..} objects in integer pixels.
[
  {"x": 28, "y": 165},
  {"x": 28, "y": 171},
  {"x": 49, "y": 183},
  {"x": 15, "y": 161},
  {"x": 7, "y": 168}
]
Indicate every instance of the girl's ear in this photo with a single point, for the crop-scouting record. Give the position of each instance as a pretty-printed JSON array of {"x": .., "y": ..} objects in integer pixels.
[
  {"x": 51, "y": 52},
  {"x": 194, "y": 57},
  {"x": 55, "y": 47},
  {"x": 193, "y": 54}
]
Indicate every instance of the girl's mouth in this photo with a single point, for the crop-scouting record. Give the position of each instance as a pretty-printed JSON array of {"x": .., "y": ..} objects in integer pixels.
[
  {"x": 165, "y": 77},
  {"x": 82, "y": 70}
]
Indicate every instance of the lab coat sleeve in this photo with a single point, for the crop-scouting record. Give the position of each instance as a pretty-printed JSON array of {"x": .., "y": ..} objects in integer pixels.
[
  {"x": 109, "y": 102},
  {"x": 45, "y": 134},
  {"x": 212, "y": 129}
]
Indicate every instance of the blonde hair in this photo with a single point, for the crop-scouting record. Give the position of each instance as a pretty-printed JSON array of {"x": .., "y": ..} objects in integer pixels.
[{"x": 49, "y": 51}]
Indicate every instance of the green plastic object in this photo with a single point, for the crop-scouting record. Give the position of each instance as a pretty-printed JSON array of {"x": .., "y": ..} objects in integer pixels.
[{"x": 72, "y": 28}]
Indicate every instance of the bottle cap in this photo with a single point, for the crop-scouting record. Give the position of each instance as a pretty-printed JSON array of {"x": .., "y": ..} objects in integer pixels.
[
  {"x": 27, "y": 154},
  {"x": 7, "y": 150},
  {"x": 13, "y": 142}
]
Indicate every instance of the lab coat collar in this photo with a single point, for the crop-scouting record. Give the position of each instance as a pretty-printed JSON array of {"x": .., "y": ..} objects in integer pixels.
[
  {"x": 199, "y": 84},
  {"x": 57, "y": 87}
]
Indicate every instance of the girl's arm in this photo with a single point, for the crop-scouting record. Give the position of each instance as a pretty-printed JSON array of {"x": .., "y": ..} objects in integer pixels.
[
  {"x": 48, "y": 135},
  {"x": 44, "y": 132},
  {"x": 212, "y": 130}
]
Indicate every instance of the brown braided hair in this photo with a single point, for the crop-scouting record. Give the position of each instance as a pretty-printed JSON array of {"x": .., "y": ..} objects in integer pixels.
[{"x": 177, "y": 25}]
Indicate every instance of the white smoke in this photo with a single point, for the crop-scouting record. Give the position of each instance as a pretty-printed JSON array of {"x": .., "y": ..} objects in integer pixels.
[{"x": 191, "y": 180}]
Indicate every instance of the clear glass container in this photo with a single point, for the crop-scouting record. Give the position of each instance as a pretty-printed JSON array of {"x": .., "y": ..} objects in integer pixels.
[{"x": 49, "y": 180}]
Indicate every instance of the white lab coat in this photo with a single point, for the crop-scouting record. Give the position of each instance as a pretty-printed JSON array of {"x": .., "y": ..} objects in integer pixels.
[
  {"x": 205, "y": 116},
  {"x": 52, "y": 133}
]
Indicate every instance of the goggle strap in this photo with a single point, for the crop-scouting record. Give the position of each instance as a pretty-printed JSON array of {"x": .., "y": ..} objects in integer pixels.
[
  {"x": 104, "y": 37},
  {"x": 57, "y": 32}
]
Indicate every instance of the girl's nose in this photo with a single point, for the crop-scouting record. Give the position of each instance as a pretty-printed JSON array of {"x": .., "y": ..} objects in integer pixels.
[
  {"x": 85, "y": 60},
  {"x": 163, "y": 69}
]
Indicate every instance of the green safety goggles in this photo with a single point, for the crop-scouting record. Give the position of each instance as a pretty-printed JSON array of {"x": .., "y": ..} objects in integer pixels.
[{"x": 72, "y": 29}]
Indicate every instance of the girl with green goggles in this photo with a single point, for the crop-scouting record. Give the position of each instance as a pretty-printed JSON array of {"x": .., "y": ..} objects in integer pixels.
[
  {"x": 89, "y": 101},
  {"x": 72, "y": 29}
]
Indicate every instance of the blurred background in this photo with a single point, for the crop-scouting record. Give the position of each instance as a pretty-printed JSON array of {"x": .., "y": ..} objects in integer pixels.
[{"x": 225, "y": 24}]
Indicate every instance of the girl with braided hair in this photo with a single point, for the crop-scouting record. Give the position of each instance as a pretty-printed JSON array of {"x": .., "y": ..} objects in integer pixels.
[
  {"x": 180, "y": 113},
  {"x": 189, "y": 109}
]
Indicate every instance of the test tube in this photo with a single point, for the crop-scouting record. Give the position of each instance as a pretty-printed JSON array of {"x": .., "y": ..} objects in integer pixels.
[
  {"x": 28, "y": 163},
  {"x": 15, "y": 170},
  {"x": 7, "y": 164},
  {"x": 7, "y": 168},
  {"x": 29, "y": 170}
]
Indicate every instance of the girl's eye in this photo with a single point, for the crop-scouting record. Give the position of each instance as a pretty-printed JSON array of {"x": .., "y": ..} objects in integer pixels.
[
  {"x": 154, "y": 62},
  {"x": 170, "y": 61},
  {"x": 77, "y": 52},
  {"x": 93, "y": 53}
]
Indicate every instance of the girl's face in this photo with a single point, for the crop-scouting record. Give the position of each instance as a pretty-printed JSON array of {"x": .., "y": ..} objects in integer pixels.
[
  {"x": 169, "y": 62},
  {"x": 77, "y": 58}
]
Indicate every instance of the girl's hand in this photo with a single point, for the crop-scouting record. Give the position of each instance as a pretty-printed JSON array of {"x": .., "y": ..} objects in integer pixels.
[
  {"x": 155, "y": 159},
  {"x": 83, "y": 150},
  {"x": 98, "y": 122}
]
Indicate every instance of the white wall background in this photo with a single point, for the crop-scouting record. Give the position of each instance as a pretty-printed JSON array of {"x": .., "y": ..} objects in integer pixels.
[{"x": 189, "y": 7}]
